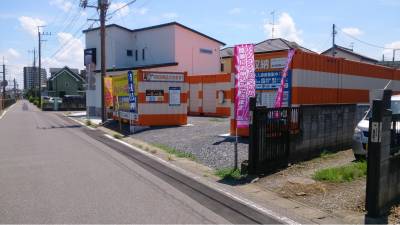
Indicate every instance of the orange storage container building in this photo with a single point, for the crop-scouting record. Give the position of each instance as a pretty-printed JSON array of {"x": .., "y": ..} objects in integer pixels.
[{"x": 318, "y": 79}]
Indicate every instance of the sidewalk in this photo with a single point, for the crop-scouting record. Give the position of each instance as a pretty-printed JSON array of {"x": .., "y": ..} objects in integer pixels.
[{"x": 260, "y": 198}]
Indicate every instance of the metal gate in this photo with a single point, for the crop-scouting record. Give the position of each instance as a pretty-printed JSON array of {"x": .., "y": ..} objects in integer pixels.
[{"x": 270, "y": 134}]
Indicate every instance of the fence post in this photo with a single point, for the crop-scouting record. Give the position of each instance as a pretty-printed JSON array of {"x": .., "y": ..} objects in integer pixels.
[
  {"x": 253, "y": 137},
  {"x": 378, "y": 143}
]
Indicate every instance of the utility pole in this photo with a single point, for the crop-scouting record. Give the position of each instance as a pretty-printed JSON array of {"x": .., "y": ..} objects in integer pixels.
[
  {"x": 15, "y": 89},
  {"x": 102, "y": 6},
  {"x": 40, "y": 61},
  {"x": 4, "y": 84},
  {"x": 394, "y": 54},
  {"x": 333, "y": 40}
]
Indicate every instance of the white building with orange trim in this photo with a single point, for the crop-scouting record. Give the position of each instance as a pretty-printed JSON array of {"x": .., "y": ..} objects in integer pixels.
[{"x": 170, "y": 47}]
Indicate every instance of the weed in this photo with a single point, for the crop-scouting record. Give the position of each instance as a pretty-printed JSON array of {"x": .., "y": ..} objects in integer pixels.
[
  {"x": 175, "y": 152},
  {"x": 326, "y": 154},
  {"x": 153, "y": 151},
  {"x": 216, "y": 120},
  {"x": 170, "y": 158},
  {"x": 341, "y": 174},
  {"x": 229, "y": 174},
  {"x": 88, "y": 123},
  {"x": 118, "y": 136}
]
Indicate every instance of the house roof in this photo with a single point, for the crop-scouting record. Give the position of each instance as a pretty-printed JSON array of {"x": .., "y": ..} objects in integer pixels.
[
  {"x": 70, "y": 72},
  {"x": 270, "y": 45},
  {"x": 350, "y": 51},
  {"x": 156, "y": 27}
]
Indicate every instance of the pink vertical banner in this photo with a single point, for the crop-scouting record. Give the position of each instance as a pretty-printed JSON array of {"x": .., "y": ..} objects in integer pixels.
[
  {"x": 279, "y": 96},
  {"x": 245, "y": 84}
]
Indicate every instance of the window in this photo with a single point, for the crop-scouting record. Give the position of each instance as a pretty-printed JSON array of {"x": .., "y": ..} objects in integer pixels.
[
  {"x": 129, "y": 53},
  {"x": 66, "y": 84},
  {"x": 222, "y": 67},
  {"x": 143, "y": 54},
  {"x": 136, "y": 55}
]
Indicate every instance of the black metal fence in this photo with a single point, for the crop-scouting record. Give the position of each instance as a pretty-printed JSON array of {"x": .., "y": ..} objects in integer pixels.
[
  {"x": 7, "y": 103},
  {"x": 270, "y": 134}
]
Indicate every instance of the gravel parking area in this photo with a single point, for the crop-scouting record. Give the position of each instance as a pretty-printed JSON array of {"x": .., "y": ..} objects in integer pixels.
[{"x": 203, "y": 137}]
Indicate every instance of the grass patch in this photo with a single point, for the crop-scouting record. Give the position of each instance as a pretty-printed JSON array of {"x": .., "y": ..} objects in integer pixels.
[
  {"x": 216, "y": 120},
  {"x": 175, "y": 152},
  {"x": 118, "y": 136},
  {"x": 229, "y": 174},
  {"x": 327, "y": 155},
  {"x": 341, "y": 174}
]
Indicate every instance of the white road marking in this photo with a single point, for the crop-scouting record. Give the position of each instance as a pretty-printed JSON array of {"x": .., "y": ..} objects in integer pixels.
[
  {"x": 211, "y": 185},
  {"x": 5, "y": 111}
]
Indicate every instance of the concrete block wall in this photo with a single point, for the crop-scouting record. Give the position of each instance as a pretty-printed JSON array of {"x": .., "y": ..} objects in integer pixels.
[{"x": 325, "y": 128}]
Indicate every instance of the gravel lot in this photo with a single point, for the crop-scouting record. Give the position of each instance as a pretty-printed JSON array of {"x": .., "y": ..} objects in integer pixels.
[{"x": 203, "y": 137}]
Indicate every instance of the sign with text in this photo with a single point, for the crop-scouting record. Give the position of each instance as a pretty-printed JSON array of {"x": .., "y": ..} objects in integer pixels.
[
  {"x": 174, "y": 96},
  {"x": 164, "y": 77},
  {"x": 131, "y": 89},
  {"x": 244, "y": 82},
  {"x": 154, "y": 95}
]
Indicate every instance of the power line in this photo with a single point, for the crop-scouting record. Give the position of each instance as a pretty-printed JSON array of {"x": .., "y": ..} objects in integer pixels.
[
  {"x": 110, "y": 15},
  {"x": 365, "y": 42}
]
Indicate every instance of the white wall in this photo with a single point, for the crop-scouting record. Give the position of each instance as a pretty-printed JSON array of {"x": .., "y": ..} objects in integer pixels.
[{"x": 158, "y": 43}]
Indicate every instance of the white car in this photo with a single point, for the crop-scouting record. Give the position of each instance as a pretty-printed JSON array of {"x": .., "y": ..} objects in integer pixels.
[{"x": 361, "y": 132}]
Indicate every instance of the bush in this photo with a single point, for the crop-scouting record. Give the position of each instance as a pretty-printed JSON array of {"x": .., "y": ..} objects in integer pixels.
[
  {"x": 229, "y": 174},
  {"x": 342, "y": 174}
]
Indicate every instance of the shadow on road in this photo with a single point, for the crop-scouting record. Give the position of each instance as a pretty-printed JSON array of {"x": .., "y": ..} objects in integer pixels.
[{"x": 59, "y": 127}]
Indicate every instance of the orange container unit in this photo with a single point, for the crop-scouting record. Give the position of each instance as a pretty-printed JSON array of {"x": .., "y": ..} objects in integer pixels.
[
  {"x": 210, "y": 95},
  {"x": 315, "y": 79},
  {"x": 161, "y": 98}
]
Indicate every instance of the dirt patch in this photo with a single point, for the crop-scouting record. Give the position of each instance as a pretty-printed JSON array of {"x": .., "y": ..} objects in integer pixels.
[
  {"x": 330, "y": 197},
  {"x": 394, "y": 217}
]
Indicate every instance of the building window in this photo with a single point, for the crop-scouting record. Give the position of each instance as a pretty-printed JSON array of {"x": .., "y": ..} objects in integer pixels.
[
  {"x": 137, "y": 55},
  {"x": 66, "y": 84},
  {"x": 222, "y": 67},
  {"x": 143, "y": 54},
  {"x": 129, "y": 53}
]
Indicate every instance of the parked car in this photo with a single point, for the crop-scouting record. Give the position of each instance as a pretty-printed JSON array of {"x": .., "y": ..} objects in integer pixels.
[{"x": 361, "y": 132}]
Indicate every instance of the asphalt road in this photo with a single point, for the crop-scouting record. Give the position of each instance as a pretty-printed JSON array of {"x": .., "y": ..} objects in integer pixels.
[{"x": 51, "y": 171}]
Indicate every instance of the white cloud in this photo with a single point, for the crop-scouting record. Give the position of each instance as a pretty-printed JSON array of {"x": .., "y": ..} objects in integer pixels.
[
  {"x": 122, "y": 11},
  {"x": 140, "y": 11},
  {"x": 13, "y": 53},
  {"x": 389, "y": 52},
  {"x": 64, "y": 5},
  {"x": 353, "y": 31},
  {"x": 30, "y": 24},
  {"x": 284, "y": 28},
  {"x": 170, "y": 16},
  {"x": 235, "y": 11},
  {"x": 71, "y": 55}
]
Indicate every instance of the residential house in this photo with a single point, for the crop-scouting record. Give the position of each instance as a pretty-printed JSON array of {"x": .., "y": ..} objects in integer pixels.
[
  {"x": 349, "y": 54},
  {"x": 65, "y": 82}
]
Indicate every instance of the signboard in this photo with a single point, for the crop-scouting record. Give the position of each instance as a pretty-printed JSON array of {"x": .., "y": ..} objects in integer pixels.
[
  {"x": 262, "y": 64},
  {"x": 154, "y": 95},
  {"x": 278, "y": 63},
  {"x": 164, "y": 77},
  {"x": 174, "y": 96},
  {"x": 267, "y": 85},
  {"x": 132, "y": 96},
  {"x": 244, "y": 82},
  {"x": 89, "y": 56}
]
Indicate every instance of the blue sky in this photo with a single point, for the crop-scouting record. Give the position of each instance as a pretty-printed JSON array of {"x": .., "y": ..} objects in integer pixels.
[{"x": 308, "y": 22}]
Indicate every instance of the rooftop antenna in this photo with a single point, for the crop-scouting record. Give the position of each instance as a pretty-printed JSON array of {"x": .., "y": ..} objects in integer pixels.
[{"x": 273, "y": 24}]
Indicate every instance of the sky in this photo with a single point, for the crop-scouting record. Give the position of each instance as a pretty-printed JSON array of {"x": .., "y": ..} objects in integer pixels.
[{"x": 370, "y": 27}]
